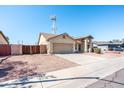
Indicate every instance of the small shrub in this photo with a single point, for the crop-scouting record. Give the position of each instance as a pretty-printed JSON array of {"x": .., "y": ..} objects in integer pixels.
[
  {"x": 97, "y": 50},
  {"x": 110, "y": 49}
]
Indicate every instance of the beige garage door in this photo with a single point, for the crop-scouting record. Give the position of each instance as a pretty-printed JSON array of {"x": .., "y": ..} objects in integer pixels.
[{"x": 62, "y": 48}]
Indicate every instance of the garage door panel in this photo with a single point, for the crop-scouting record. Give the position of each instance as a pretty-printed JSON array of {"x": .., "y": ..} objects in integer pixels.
[{"x": 62, "y": 48}]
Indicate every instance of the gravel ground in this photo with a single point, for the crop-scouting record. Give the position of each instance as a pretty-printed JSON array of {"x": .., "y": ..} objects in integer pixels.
[
  {"x": 105, "y": 55},
  {"x": 28, "y": 65}
]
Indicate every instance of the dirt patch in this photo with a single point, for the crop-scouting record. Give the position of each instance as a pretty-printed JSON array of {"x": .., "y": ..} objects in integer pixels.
[
  {"x": 14, "y": 70},
  {"x": 28, "y": 65}
]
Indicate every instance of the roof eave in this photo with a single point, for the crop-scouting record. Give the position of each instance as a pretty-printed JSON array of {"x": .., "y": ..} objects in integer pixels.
[
  {"x": 4, "y": 37},
  {"x": 60, "y": 35},
  {"x": 85, "y": 37}
]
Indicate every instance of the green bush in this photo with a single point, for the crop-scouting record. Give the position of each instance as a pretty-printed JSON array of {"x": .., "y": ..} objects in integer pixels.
[{"x": 97, "y": 50}]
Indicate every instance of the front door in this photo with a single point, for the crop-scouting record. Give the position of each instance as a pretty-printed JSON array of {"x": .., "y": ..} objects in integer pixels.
[{"x": 79, "y": 48}]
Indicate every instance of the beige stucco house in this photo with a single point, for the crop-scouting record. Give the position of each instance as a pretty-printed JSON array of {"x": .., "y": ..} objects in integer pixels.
[
  {"x": 64, "y": 43},
  {"x": 3, "y": 39}
]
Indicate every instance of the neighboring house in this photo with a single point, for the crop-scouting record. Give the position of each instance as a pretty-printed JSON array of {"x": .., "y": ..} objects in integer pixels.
[
  {"x": 3, "y": 39},
  {"x": 105, "y": 46},
  {"x": 64, "y": 43}
]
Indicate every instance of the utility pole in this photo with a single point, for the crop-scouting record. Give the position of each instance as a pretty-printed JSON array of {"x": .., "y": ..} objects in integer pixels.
[{"x": 53, "y": 19}]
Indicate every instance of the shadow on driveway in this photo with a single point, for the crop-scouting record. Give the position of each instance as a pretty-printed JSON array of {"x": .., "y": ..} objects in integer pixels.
[{"x": 63, "y": 79}]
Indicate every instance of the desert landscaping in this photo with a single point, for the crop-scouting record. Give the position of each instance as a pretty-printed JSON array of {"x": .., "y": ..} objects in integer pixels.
[{"x": 29, "y": 65}]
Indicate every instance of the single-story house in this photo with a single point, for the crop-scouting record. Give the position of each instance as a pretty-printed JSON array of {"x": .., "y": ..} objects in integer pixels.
[
  {"x": 105, "y": 46},
  {"x": 64, "y": 43},
  {"x": 3, "y": 39}
]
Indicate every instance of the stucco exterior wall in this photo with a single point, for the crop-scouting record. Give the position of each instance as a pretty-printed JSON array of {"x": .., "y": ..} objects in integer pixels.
[
  {"x": 50, "y": 48},
  {"x": 16, "y": 49},
  {"x": 43, "y": 49},
  {"x": 43, "y": 40},
  {"x": 2, "y": 40}
]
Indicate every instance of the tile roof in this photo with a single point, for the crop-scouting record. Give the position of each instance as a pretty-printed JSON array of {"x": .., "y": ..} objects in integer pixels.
[{"x": 48, "y": 35}]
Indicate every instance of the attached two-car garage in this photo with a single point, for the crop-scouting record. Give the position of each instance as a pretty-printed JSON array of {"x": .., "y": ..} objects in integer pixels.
[{"x": 62, "y": 48}]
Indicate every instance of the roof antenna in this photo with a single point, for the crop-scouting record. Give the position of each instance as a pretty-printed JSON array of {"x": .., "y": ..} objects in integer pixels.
[{"x": 53, "y": 19}]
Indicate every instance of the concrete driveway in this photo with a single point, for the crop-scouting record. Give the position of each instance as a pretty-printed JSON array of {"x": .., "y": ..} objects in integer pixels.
[
  {"x": 90, "y": 67},
  {"x": 81, "y": 58}
]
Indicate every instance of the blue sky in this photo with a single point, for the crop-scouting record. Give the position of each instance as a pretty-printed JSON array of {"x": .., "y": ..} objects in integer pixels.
[{"x": 26, "y": 22}]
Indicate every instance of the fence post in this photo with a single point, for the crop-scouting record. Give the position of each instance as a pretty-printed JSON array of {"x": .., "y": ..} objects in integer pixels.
[{"x": 30, "y": 49}]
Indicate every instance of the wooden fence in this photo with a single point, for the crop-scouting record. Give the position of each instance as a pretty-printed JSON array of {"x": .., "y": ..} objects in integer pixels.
[
  {"x": 25, "y": 49},
  {"x": 6, "y": 50},
  {"x": 16, "y": 49},
  {"x": 34, "y": 49},
  {"x": 30, "y": 49}
]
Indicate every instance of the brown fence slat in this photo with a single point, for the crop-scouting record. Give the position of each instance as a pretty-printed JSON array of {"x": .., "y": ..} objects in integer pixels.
[
  {"x": 35, "y": 49},
  {"x": 26, "y": 49},
  {"x": 31, "y": 49},
  {"x": 5, "y": 50}
]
